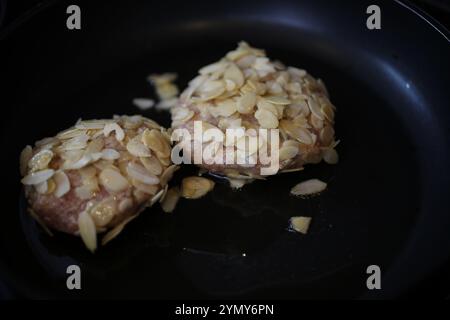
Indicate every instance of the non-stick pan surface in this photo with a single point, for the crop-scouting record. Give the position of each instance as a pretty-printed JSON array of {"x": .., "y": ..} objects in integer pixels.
[{"x": 387, "y": 203}]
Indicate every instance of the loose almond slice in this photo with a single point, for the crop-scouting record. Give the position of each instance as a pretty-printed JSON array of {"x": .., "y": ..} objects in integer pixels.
[
  {"x": 87, "y": 230},
  {"x": 196, "y": 187},
  {"x": 308, "y": 187},
  {"x": 143, "y": 103},
  {"x": 171, "y": 199},
  {"x": 237, "y": 183},
  {"x": 300, "y": 224}
]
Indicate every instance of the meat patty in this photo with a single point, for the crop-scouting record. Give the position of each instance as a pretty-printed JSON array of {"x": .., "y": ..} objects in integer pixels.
[
  {"x": 97, "y": 175},
  {"x": 247, "y": 90}
]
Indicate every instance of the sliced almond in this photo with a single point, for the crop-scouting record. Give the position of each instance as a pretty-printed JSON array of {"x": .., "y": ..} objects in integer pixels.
[
  {"x": 315, "y": 108},
  {"x": 51, "y": 186},
  {"x": 104, "y": 212},
  {"x": 132, "y": 122},
  {"x": 38, "y": 177},
  {"x": 153, "y": 165},
  {"x": 84, "y": 193},
  {"x": 278, "y": 100},
  {"x": 87, "y": 230},
  {"x": 110, "y": 154},
  {"x": 330, "y": 156},
  {"x": 308, "y": 187},
  {"x": 181, "y": 115},
  {"x": 40, "y": 160},
  {"x": 288, "y": 152},
  {"x": 143, "y": 103},
  {"x": 42, "y": 187},
  {"x": 327, "y": 135},
  {"x": 25, "y": 157},
  {"x": 225, "y": 108},
  {"x": 112, "y": 180},
  {"x": 110, "y": 127},
  {"x": 234, "y": 74},
  {"x": 91, "y": 124},
  {"x": 168, "y": 174},
  {"x": 295, "y": 132},
  {"x": 76, "y": 143},
  {"x": 266, "y": 119},
  {"x": 157, "y": 197},
  {"x": 300, "y": 224},
  {"x": 265, "y": 105},
  {"x": 171, "y": 199},
  {"x": 146, "y": 188},
  {"x": 62, "y": 184},
  {"x": 138, "y": 172},
  {"x": 196, "y": 187},
  {"x": 211, "y": 89},
  {"x": 95, "y": 146},
  {"x": 125, "y": 205},
  {"x": 70, "y": 133},
  {"x": 137, "y": 148},
  {"x": 246, "y": 103},
  {"x": 156, "y": 141},
  {"x": 82, "y": 162}
]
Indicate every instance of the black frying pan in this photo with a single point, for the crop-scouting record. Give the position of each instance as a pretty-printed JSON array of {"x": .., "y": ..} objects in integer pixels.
[{"x": 387, "y": 202}]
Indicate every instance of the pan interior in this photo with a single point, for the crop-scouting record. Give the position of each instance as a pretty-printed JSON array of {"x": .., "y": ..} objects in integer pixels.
[{"x": 228, "y": 243}]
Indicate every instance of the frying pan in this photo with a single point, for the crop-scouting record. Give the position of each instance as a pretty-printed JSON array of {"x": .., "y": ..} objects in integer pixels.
[{"x": 387, "y": 203}]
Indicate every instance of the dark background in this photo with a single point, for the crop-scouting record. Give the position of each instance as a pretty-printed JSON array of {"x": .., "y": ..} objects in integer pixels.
[{"x": 438, "y": 9}]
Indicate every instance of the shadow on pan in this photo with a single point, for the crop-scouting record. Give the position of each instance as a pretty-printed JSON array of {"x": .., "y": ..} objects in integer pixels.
[{"x": 387, "y": 200}]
